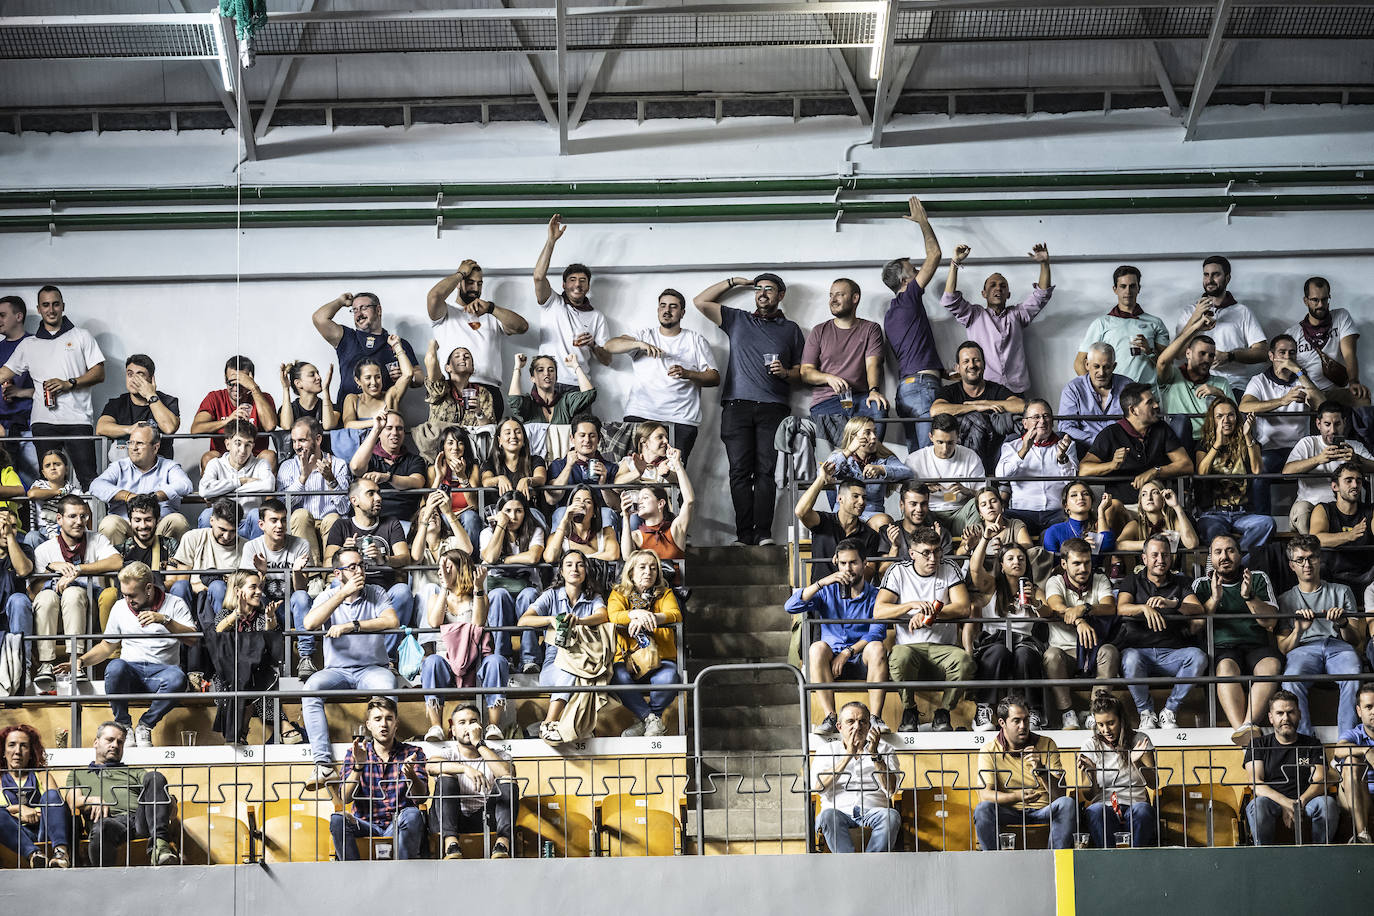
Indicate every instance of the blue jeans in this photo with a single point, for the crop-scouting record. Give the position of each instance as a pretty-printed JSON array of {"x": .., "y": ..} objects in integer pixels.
[
  {"x": 658, "y": 700},
  {"x": 1322, "y": 816},
  {"x": 472, "y": 526},
  {"x": 19, "y": 618},
  {"x": 503, "y": 610},
  {"x": 1037, "y": 520},
  {"x": 142, "y": 677},
  {"x": 248, "y": 525},
  {"x": 1272, "y": 461},
  {"x": 830, "y": 416},
  {"x": 369, "y": 678},
  {"x": 1059, "y": 814},
  {"x": 914, "y": 397},
  {"x": 407, "y": 828},
  {"x": 882, "y": 823},
  {"x": 1254, "y": 530},
  {"x": 493, "y": 672},
  {"x": 53, "y": 818},
  {"x": 1102, "y": 823},
  {"x": 300, "y": 606},
  {"x": 398, "y": 597},
  {"x": 1191, "y": 662},
  {"x": 1324, "y": 656}
]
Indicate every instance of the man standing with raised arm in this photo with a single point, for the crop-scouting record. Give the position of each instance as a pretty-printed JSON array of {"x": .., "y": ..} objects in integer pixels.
[
  {"x": 765, "y": 361},
  {"x": 366, "y": 338},
  {"x": 473, "y": 324},
  {"x": 567, "y": 321},
  {"x": 908, "y": 331},
  {"x": 999, "y": 328}
]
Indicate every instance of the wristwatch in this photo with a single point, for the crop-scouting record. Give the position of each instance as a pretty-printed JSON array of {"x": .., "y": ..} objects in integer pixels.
[
  {"x": 72, "y": 382},
  {"x": 357, "y": 626},
  {"x": 154, "y": 399}
]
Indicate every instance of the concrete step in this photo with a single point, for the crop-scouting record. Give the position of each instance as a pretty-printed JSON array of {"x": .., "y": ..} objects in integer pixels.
[
  {"x": 716, "y": 693},
  {"x": 706, "y": 576},
  {"x": 703, "y": 557},
  {"x": 756, "y": 738},
  {"x": 782, "y": 765},
  {"x": 737, "y": 646},
  {"x": 751, "y": 715},
  {"x": 743, "y": 827}
]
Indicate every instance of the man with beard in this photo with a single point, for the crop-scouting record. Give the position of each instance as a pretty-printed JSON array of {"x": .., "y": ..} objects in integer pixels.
[
  {"x": 1326, "y": 341},
  {"x": 1345, "y": 527},
  {"x": 1135, "y": 336},
  {"x": 843, "y": 361},
  {"x": 986, "y": 411},
  {"x": 1288, "y": 772},
  {"x": 765, "y": 361},
  {"x": 475, "y": 324},
  {"x": 567, "y": 321},
  {"x": 1191, "y": 387},
  {"x": 1322, "y": 454},
  {"x": 383, "y": 458},
  {"x": 1281, "y": 388},
  {"x": 1023, "y": 780},
  {"x": 475, "y": 786},
  {"x": 310, "y": 469},
  {"x": 1242, "y": 645},
  {"x": 1140, "y": 446},
  {"x": 671, "y": 365},
  {"x": 998, "y": 327},
  {"x": 366, "y": 338},
  {"x": 241, "y": 398},
  {"x": 1239, "y": 337}
]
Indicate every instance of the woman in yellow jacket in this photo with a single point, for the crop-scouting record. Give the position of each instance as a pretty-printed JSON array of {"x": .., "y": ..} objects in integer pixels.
[{"x": 644, "y": 609}]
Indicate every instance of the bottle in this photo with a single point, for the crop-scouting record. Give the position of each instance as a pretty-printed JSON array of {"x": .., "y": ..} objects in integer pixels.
[{"x": 546, "y": 849}]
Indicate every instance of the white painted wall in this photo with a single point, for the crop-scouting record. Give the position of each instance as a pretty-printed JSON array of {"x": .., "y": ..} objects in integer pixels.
[{"x": 173, "y": 294}]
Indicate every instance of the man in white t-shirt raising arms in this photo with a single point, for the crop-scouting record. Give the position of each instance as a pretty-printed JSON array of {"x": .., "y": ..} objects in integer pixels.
[
  {"x": 929, "y": 592},
  {"x": 671, "y": 366},
  {"x": 567, "y": 321},
  {"x": 474, "y": 323},
  {"x": 65, "y": 364}
]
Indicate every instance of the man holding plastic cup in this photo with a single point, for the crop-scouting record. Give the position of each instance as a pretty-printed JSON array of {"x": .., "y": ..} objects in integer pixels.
[{"x": 1022, "y": 778}]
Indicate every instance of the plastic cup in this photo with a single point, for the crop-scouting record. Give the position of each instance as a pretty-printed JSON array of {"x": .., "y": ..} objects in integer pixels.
[
  {"x": 1123, "y": 840},
  {"x": 188, "y": 738},
  {"x": 1006, "y": 841},
  {"x": 1080, "y": 841},
  {"x": 769, "y": 359}
]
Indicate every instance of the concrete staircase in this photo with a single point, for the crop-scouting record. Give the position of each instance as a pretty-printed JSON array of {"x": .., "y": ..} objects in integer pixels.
[{"x": 750, "y": 737}]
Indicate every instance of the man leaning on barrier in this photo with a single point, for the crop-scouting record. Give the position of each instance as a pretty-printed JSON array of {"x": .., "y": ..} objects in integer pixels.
[{"x": 856, "y": 777}]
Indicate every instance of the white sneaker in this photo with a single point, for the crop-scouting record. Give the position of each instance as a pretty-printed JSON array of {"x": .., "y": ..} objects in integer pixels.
[
  {"x": 144, "y": 734},
  {"x": 878, "y": 725},
  {"x": 634, "y": 731},
  {"x": 767, "y": 542},
  {"x": 1070, "y": 723},
  {"x": 131, "y": 738},
  {"x": 1090, "y": 721},
  {"x": 1148, "y": 721},
  {"x": 493, "y": 733},
  {"x": 982, "y": 718},
  {"x": 436, "y": 733},
  {"x": 653, "y": 726},
  {"x": 1168, "y": 719},
  {"x": 324, "y": 773}
]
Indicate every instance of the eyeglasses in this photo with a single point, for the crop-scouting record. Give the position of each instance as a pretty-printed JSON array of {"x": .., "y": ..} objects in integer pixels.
[
  {"x": 927, "y": 554},
  {"x": 349, "y": 567},
  {"x": 1303, "y": 561}
]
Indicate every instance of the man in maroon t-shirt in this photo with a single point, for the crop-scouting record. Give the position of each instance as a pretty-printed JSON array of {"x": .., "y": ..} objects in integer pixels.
[{"x": 240, "y": 399}]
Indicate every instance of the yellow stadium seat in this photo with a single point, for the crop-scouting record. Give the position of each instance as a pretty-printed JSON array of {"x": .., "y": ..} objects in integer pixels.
[
  {"x": 297, "y": 829},
  {"x": 217, "y": 833},
  {"x": 1204, "y": 814},
  {"x": 566, "y": 821},
  {"x": 631, "y": 826}
]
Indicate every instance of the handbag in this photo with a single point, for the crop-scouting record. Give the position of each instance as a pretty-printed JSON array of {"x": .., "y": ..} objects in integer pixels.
[
  {"x": 644, "y": 659},
  {"x": 410, "y": 655}
]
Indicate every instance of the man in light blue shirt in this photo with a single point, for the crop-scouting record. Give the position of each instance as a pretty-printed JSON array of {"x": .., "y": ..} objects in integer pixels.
[
  {"x": 1096, "y": 394},
  {"x": 1136, "y": 336},
  {"x": 843, "y": 649},
  {"x": 144, "y": 471}
]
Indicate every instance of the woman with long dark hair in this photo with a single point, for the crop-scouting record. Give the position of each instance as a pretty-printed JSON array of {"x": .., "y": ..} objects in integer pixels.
[
  {"x": 510, "y": 547},
  {"x": 1118, "y": 763},
  {"x": 1008, "y": 594},
  {"x": 1228, "y": 447},
  {"x": 306, "y": 394}
]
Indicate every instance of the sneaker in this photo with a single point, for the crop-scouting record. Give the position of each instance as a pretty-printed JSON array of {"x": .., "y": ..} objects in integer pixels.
[
  {"x": 982, "y": 719},
  {"x": 38, "y": 860},
  {"x": 144, "y": 733},
  {"x": 1168, "y": 719},
  {"x": 529, "y": 668},
  {"x": 1362, "y": 839},
  {"x": 1243, "y": 736},
  {"x": 1070, "y": 722},
  {"x": 940, "y": 721},
  {"x": 324, "y": 773},
  {"x": 305, "y": 667},
  {"x": 493, "y": 733},
  {"x": 1148, "y": 722},
  {"x": 1037, "y": 719},
  {"x": 196, "y": 683},
  {"x": 436, "y": 733},
  {"x": 500, "y": 849},
  {"x": 826, "y": 727},
  {"x": 767, "y": 542},
  {"x": 634, "y": 731},
  {"x": 453, "y": 851},
  {"x": 60, "y": 858},
  {"x": 653, "y": 726},
  {"x": 163, "y": 854},
  {"x": 878, "y": 725},
  {"x": 911, "y": 720},
  {"x": 1090, "y": 721},
  {"x": 43, "y": 680}
]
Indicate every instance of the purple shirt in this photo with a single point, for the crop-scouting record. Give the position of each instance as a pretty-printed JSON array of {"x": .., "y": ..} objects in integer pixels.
[
  {"x": 907, "y": 327},
  {"x": 1001, "y": 336},
  {"x": 843, "y": 352}
]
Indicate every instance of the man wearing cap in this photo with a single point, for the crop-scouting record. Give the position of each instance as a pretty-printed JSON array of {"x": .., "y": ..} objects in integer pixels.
[{"x": 765, "y": 360}]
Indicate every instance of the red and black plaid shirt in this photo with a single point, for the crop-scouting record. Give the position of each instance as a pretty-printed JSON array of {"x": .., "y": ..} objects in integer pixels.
[{"x": 382, "y": 789}]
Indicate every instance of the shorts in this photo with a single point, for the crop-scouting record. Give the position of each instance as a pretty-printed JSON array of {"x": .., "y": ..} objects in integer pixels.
[{"x": 1246, "y": 658}]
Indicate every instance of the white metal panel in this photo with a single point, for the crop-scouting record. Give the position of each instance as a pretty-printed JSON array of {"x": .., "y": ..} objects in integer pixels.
[{"x": 80, "y": 82}]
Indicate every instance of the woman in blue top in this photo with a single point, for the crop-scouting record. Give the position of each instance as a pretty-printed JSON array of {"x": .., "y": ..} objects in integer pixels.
[
  {"x": 33, "y": 811},
  {"x": 570, "y": 602},
  {"x": 863, "y": 457},
  {"x": 1078, "y": 506}
]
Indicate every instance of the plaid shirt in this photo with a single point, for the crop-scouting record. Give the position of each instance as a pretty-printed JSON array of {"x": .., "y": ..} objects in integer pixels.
[{"x": 382, "y": 790}]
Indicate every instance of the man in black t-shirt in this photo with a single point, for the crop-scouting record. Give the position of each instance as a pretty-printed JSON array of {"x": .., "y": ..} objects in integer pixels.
[
  {"x": 382, "y": 543},
  {"x": 1139, "y": 446},
  {"x": 1344, "y": 528},
  {"x": 829, "y": 528},
  {"x": 143, "y": 402},
  {"x": 1154, "y": 635},
  {"x": 383, "y": 459},
  {"x": 986, "y": 411},
  {"x": 1288, "y": 772}
]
